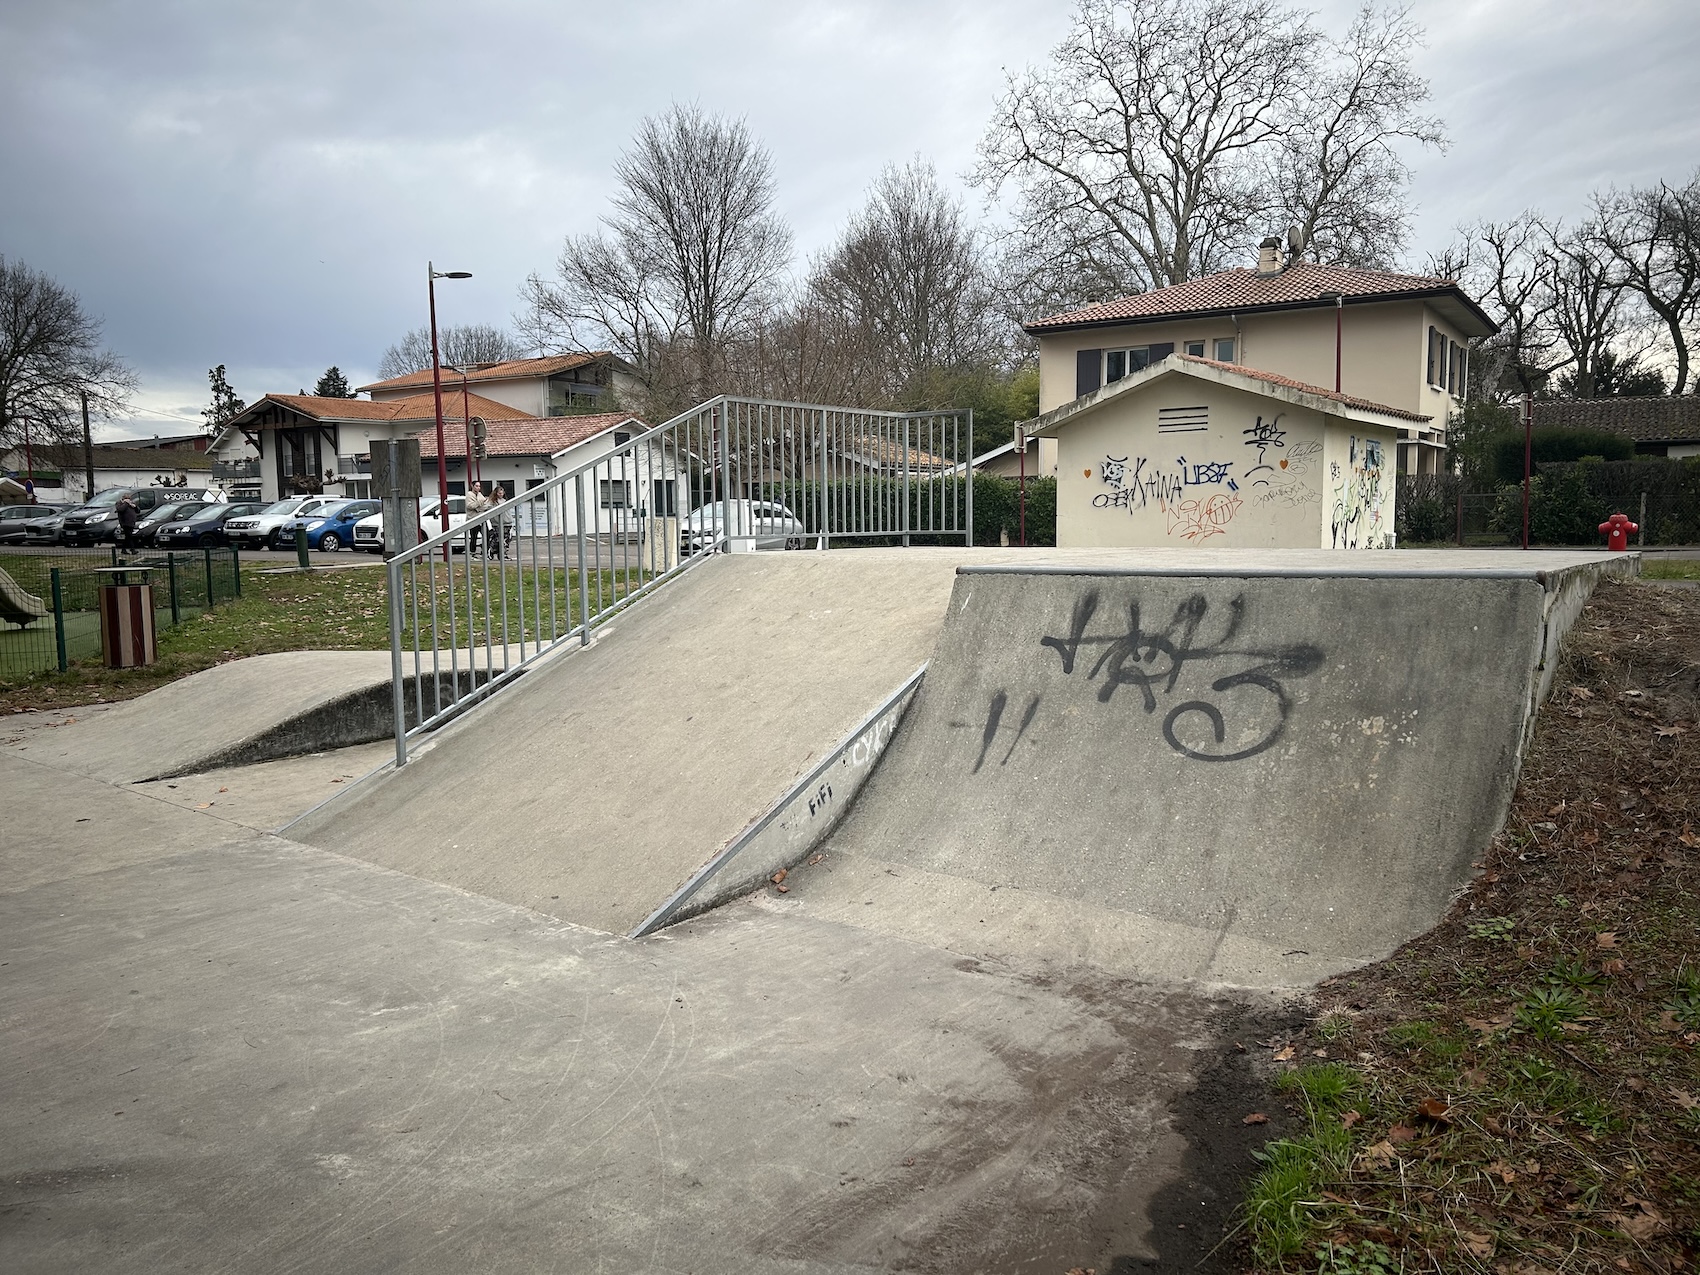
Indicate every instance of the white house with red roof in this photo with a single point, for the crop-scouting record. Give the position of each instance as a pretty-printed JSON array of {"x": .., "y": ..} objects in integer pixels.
[
  {"x": 309, "y": 445},
  {"x": 1392, "y": 339},
  {"x": 554, "y": 385}
]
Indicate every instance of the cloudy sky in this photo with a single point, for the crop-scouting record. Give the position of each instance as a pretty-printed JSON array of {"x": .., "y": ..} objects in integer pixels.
[{"x": 261, "y": 185}]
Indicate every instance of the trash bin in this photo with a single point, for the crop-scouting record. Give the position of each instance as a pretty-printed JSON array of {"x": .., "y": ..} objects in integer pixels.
[{"x": 126, "y": 624}]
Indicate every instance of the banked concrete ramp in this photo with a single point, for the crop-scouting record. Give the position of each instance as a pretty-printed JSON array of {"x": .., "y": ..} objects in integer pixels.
[
  {"x": 606, "y": 777},
  {"x": 1256, "y": 773}
]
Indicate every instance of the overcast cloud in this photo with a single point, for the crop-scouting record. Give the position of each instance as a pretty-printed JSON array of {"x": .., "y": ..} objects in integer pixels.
[{"x": 261, "y": 185}]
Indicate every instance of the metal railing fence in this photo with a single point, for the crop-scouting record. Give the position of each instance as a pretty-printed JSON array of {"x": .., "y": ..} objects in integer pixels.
[
  {"x": 471, "y": 608},
  {"x": 65, "y": 584}
]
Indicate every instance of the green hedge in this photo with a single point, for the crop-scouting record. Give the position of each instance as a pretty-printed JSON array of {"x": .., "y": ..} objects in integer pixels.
[
  {"x": 1551, "y": 446},
  {"x": 1569, "y": 500}
]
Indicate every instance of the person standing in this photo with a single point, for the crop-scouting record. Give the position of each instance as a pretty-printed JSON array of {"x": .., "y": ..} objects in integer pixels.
[
  {"x": 499, "y": 523},
  {"x": 476, "y": 503}
]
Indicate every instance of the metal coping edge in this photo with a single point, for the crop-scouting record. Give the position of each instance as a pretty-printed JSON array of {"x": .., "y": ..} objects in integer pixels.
[
  {"x": 1539, "y": 575},
  {"x": 658, "y": 918}
]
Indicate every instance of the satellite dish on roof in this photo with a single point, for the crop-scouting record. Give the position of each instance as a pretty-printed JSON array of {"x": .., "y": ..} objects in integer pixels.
[{"x": 1295, "y": 240}]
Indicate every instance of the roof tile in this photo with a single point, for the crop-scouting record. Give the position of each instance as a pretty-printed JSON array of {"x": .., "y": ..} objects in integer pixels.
[
  {"x": 509, "y": 370},
  {"x": 1647, "y": 420},
  {"x": 537, "y": 436}
]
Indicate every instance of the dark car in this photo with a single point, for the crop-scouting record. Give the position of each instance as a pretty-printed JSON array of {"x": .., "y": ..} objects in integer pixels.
[
  {"x": 97, "y": 521},
  {"x": 162, "y": 516},
  {"x": 13, "y": 518},
  {"x": 205, "y": 526}
]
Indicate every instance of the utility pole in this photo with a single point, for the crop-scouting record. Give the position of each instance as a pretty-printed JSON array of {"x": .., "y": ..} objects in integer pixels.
[{"x": 88, "y": 448}]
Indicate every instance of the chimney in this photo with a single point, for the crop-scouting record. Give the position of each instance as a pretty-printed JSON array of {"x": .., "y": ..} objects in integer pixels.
[{"x": 1269, "y": 258}]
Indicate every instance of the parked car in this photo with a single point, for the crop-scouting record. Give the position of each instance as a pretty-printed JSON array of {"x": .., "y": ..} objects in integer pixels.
[
  {"x": 44, "y": 528},
  {"x": 203, "y": 527},
  {"x": 160, "y": 517},
  {"x": 97, "y": 521},
  {"x": 369, "y": 531},
  {"x": 283, "y": 535},
  {"x": 254, "y": 531},
  {"x": 771, "y": 524},
  {"x": 328, "y": 528},
  {"x": 13, "y": 518}
]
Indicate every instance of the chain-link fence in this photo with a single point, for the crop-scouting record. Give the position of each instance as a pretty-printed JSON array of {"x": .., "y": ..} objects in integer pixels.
[{"x": 50, "y": 597}]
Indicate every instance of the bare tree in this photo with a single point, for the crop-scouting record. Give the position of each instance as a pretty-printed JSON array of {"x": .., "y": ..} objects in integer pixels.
[
  {"x": 465, "y": 344},
  {"x": 1654, "y": 237},
  {"x": 1587, "y": 290},
  {"x": 1166, "y": 136},
  {"x": 909, "y": 278},
  {"x": 684, "y": 268},
  {"x": 51, "y": 359},
  {"x": 1340, "y": 179},
  {"x": 1507, "y": 266}
]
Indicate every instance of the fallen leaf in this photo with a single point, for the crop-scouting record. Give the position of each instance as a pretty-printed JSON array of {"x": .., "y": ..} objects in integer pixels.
[
  {"x": 784, "y": 889},
  {"x": 1636, "y": 1084},
  {"x": 1684, "y": 1099},
  {"x": 1640, "y": 1227},
  {"x": 1557, "y": 810},
  {"x": 1284, "y": 1055},
  {"x": 1435, "y": 1109},
  {"x": 1475, "y": 1078},
  {"x": 1668, "y": 1023},
  {"x": 1613, "y": 966},
  {"x": 1581, "y": 692},
  {"x": 204, "y": 805},
  {"x": 1503, "y": 1171},
  {"x": 1256, "y": 1117},
  {"x": 224, "y": 790},
  {"x": 1665, "y": 732},
  {"x": 1401, "y": 1133},
  {"x": 1319, "y": 1053},
  {"x": 1479, "y": 1245},
  {"x": 1605, "y": 939},
  {"x": 814, "y": 859},
  {"x": 778, "y": 877},
  {"x": 1351, "y": 1118},
  {"x": 1381, "y": 1155}
]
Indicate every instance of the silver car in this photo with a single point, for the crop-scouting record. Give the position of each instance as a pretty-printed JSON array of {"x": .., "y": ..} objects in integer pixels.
[{"x": 768, "y": 523}]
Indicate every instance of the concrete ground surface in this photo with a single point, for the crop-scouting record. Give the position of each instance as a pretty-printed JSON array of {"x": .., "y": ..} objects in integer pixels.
[{"x": 226, "y": 1050}]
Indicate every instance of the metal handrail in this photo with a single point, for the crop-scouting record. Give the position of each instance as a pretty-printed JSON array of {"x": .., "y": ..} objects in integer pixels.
[{"x": 728, "y": 454}]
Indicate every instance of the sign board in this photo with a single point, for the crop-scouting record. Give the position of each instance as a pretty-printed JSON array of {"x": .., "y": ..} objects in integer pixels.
[{"x": 395, "y": 480}]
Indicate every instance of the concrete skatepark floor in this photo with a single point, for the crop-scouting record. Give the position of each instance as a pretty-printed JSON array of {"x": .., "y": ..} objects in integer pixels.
[{"x": 230, "y": 1050}]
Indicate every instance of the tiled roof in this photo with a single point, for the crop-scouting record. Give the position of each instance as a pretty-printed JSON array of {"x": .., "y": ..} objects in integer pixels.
[
  {"x": 415, "y": 407},
  {"x": 510, "y": 370},
  {"x": 1302, "y": 284},
  {"x": 1274, "y": 378},
  {"x": 1646, "y": 420},
  {"x": 888, "y": 451},
  {"x": 537, "y": 436},
  {"x": 63, "y": 457}
]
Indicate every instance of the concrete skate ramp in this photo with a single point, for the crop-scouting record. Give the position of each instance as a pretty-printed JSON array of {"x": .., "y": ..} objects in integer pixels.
[
  {"x": 1236, "y": 778},
  {"x": 257, "y": 709},
  {"x": 597, "y": 786}
]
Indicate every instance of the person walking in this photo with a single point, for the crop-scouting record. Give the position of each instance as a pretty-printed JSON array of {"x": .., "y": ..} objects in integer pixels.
[
  {"x": 476, "y": 503},
  {"x": 128, "y": 517}
]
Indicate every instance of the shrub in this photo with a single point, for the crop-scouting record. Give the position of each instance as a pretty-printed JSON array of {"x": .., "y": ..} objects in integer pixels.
[{"x": 1506, "y": 449}]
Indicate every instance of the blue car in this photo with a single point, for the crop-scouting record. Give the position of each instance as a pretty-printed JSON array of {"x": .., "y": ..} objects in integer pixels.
[{"x": 329, "y": 527}]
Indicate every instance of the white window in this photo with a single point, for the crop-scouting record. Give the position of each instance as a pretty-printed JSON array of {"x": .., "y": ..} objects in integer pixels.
[
  {"x": 1195, "y": 348},
  {"x": 615, "y": 494},
  {"x": 1225, "y": 349},
  {"x": 1120, "y": 363}
]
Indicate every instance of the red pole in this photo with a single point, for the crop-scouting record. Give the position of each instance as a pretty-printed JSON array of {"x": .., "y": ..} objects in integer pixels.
[
  {"x": 29, "y": 460},
  {"x": 437, "y": 389},
  {"x": 466, "y": 429},
  {"x": 1529, "y": 453}
]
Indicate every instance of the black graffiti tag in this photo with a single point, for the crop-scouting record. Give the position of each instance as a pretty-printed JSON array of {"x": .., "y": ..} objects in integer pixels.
[{"x": 1152, "y": 662}]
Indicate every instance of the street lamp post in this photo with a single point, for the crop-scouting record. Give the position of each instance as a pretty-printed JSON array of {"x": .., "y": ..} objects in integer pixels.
[{"x": 432, "y": 274}]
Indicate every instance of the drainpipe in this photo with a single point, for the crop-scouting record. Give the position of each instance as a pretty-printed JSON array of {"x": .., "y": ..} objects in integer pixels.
[
  {"x": 1339, "y": 320},
  {"x": 1239, "y": 341}
]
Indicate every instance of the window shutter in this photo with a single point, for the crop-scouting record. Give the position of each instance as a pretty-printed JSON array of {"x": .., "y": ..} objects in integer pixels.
[
  {"x": 1433, "y": 372},
  {"x": 1162, "y": 350},
  {"x": 1088, "y": 368}
]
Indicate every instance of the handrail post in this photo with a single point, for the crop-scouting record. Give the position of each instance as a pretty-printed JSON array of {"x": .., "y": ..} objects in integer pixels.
[
  {"x": 903, "y": 517},
  {"x": 583, "y": 580},
  {"x": 820, "y": 483},
  {"x": 968, "y": 473},
  {"x": 723, "y": 459},
  {"x": 397, "y": 699},
  {"x": 59, "y": 618}
]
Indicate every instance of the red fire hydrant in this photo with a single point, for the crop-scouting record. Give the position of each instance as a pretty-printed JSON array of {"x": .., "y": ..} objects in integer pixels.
[{"x": 1616, "y": 530}]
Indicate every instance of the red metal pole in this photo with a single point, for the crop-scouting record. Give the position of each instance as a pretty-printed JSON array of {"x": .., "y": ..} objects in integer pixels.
[
  {"x": 437, "y": 389},
  {"x": 1529, "y": 453},
  {"x": 466, "y": 429},
  {"x": 29, "y": 461}
]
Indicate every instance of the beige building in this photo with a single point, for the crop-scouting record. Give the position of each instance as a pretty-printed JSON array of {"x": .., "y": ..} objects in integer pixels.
[
  {"x": 1191, "y": 451},
  {"x": 1391, "y": 339},
  {"x": 557, "y": 385}
]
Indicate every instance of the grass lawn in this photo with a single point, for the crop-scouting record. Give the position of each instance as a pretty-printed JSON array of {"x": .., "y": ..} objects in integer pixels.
[
  {"x": 1518, "y": 1091},
  {"x": 332, "y": 610},
  {"x": 1671, "y": 568}
]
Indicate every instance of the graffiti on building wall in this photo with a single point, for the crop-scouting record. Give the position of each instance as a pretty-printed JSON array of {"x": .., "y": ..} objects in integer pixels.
[
  {"x": 1151, "y": 662},
  {"x": 1355, "y": 517},
  {"x": 1138, "y": 483},
  {"x": 1290, "y": 483}
]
